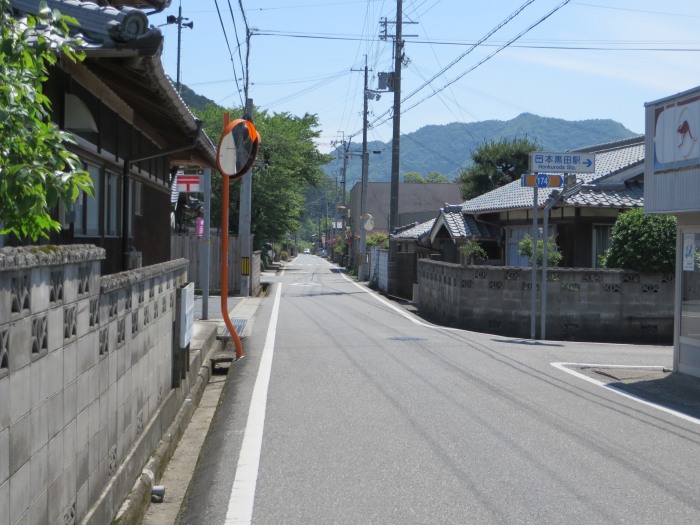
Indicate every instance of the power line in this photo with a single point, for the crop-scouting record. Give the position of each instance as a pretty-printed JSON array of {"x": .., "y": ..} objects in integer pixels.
[
  {"x": 228, "y": 45},
  {"x": 479, "y": 63},
  {"x": 609, "y": 47},
  {"x": 235, "y": 32}
]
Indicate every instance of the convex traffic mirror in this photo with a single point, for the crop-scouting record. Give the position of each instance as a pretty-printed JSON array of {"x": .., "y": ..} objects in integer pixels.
[{"x": 238, "y": 148}]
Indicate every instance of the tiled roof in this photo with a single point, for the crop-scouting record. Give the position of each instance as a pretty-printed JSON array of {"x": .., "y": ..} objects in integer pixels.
[
  {"x": 615, "y": 161},
  {"x": 109, "y": 35},
  {"x": 414, "y": 231}
]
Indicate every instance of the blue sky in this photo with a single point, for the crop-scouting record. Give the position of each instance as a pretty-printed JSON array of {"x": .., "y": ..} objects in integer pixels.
[{"x": 588, "y": 59}]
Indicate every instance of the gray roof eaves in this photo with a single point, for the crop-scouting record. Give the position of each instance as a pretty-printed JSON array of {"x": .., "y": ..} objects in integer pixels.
[{"x": 627, "y": 157}]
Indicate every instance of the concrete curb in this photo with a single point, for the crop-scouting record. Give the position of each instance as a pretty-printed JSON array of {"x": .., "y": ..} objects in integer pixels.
[{"x": 134, "y": 507}]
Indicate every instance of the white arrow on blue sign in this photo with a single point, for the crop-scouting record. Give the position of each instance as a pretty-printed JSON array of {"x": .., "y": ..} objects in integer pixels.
[{"x": 571, "y": 162}]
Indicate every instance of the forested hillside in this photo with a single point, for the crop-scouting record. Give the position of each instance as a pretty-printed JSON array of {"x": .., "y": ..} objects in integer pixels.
[{"x": 447, "y": 148}]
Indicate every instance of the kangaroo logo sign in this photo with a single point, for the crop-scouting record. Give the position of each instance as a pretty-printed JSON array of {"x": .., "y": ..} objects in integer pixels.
[{"x": 676, "y": 133}]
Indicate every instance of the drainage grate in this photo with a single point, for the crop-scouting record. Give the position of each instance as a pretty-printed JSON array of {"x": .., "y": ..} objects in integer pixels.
[
  {"x": 397, "y": 338},
  {"x": 239, "y": 324}
]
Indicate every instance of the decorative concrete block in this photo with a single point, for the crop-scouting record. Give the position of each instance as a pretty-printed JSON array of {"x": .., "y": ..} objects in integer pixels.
[
  {"x": 20, "y": 344},
  {"x": 88, "y": 351},
  {"x": 54, "y": 372},
  {"x": 70, "y": 283},
  {"x": 70, "y": 362},
  {"x": 39, "y": 290},
  {"x": 5, "y": 297},
  {"x": 57, "y": 496},
  {"x": 20, "y": 394},
  {"x": 104, "y": 409},
  {"x": 39, "y": 509},
  {"x": 83, "y": 425},
  {"x": 93, "y": 457},
  {"x": 112, "y": 432},
  {"x": 70, "y": 402},
  {"x": 103, "y": 377},
  {"x": 4, "y": 456},
  {"x": 55, "y": 328},
  {"x": 20, "y": 444},
  {"x": 82, "y": 472},
  {"x": 5, "y": 401},
  {"x": 55, "y": 458},
  {"x": 39, "y": 428},
  {"x": 83, "y": 317},
  {"x": 82, "y": 502},
  {"x": 69, "y": 480},
  {"x": 20, "y": 492},
  {"x": 38, "y": 373},
  {"x": 94, "y": 422},
  {"x": 112, "y": 364},
  {"x": 39, "y": 471},
  {"x": 55, "y": 415},
  {"x": 5, "y": 502},
  {"x": 83, "y": 383}
]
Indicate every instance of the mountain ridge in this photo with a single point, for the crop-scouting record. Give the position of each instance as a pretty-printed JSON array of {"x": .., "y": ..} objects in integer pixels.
[{"x": 447, "y": 148}]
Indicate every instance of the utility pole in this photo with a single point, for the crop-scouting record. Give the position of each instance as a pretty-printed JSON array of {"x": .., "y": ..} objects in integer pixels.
[
  {"x": 245, "y": 218},
  {"x": 392, "y": 265},
  {"x": 361, "y": 270},
  {"x": 180, "y": 23}
]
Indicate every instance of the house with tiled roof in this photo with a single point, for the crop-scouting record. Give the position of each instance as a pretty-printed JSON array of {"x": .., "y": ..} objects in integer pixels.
[
  {"x": 581, "y": 221},
  {"x": 132, "y": 128}
]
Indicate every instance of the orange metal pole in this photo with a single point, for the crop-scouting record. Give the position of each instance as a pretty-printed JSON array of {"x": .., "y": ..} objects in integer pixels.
[{"x": 224, "y": 264}]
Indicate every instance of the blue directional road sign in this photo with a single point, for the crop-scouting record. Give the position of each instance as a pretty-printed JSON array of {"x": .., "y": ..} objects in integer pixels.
[
  {"x": 541, "y": 180},
  {"x": 572, "y": 162}
]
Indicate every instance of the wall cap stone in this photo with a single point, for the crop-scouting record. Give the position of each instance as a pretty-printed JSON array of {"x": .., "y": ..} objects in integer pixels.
[
  {"x": 16, "y": 257},
  {"x": 111, "y": 282}
]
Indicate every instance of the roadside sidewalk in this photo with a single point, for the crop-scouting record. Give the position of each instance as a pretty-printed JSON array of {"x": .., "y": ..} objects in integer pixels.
[{"x": 172, "y": 464}]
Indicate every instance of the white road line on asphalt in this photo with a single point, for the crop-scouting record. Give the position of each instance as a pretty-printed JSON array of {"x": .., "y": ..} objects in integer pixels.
[
  {"x": 240, "y": 505},
  {"x": 564, "y": 367}
]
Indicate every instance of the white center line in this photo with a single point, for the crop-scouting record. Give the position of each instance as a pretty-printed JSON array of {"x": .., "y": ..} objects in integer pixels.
[{"x": 240, "y": 505}]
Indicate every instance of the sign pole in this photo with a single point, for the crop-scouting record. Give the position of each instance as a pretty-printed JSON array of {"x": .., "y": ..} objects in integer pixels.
[
  {"x": 533, "y": 292},
  {"x": 543, "y": 286}
]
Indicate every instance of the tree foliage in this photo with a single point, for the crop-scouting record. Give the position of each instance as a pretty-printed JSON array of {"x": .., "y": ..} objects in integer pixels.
[
  {"x": 288, "y": 163},
  {"x": 472, "y": 251},
  {"x": 413, "y": 177},
  {"x": 380, "y": 239},
  {"x": 495, "y": 164},
  {"x": 36, "y": 170},
  {"x": 642, "y": 242},
  {"x": 554, "y": 256},
  {"x": 434, "y": 177}
]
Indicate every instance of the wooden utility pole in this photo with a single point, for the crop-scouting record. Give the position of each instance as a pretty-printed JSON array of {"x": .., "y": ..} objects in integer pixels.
[{"x": 392, "y": 267}]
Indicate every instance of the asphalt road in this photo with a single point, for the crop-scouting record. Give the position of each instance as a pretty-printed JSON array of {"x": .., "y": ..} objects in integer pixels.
[{"x": 349, "y": 410}]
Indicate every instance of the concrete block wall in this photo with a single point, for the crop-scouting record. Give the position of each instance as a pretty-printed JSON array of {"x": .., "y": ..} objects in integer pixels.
[
  {"x": 85, "y": 363},
  {"x": 582, "y": 304}
]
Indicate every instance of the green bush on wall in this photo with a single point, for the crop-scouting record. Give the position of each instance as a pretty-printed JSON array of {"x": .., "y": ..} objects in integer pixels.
[{"x": 642, "y": 242}]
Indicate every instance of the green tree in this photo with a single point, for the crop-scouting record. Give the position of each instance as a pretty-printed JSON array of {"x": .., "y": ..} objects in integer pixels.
[
  {"x": 288, "y": 163},
  {"x": 36, "y": 170},
  {"x": 643, "y": 242},
  {"x": 377, "y": 239},
  {"x": 472, "y": 251},
  {"x": 413, "y": 177},
  {"x": 435, "y": 177},
  {"x": 495, "y": 164},
  {"x": 554, "y": 256}
]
